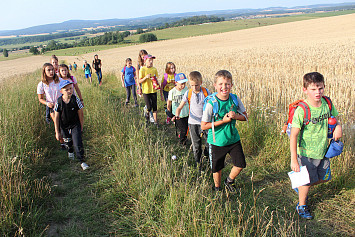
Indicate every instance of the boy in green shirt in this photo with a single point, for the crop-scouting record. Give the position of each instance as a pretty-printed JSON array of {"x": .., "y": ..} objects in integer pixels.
[
  {"x": 224, "y": 137},
  {"x": 309, "y": 147}
]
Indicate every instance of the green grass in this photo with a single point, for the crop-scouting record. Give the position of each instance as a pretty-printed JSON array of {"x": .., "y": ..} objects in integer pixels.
[
  {"x": 133, "y": 188},
  {"x": 80, "y": 50}
]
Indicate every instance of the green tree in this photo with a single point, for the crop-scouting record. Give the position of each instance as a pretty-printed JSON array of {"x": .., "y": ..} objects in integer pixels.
[
  {"x": 139, "y": 31},
  {"x": 148, "y": 37},
  {"x": 34, "y": 50},
  {"x": 5, "y": 52}
]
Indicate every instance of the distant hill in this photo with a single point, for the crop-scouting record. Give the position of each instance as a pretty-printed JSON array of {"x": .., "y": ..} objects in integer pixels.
[{"x": 156, "y": 20}]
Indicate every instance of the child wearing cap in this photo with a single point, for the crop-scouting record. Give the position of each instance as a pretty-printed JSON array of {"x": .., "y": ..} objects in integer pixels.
[
  {"x": 146, "y": 74},
  {"x": 69, "y": 121},
  {"x": 174, "y": 99}
]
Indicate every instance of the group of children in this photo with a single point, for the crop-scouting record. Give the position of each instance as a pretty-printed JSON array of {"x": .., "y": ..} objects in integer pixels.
[{"x": 203, "y": 115}]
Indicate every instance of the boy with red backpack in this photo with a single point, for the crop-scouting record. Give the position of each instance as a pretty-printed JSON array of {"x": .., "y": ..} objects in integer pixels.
[
  {"x": 308, "y": 137},
  {"x": 195, "y": 98}
]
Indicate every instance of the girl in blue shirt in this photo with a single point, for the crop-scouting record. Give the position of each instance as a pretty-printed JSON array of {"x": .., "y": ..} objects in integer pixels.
[{"x": 128, "y": 78}]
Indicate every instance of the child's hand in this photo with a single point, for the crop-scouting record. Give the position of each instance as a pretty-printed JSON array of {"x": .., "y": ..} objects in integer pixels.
[
  {"x": 231, "y": 114},
  {"x": 147, "y": 76},
  {"x": 173, "y": 118},
  {"x": 226, "y": 118},
  {"x": 337, "y": 133},
  {"x": 50, "y": 105},
  {"x": 295, "y": 166},
  {"x": 122, "y": 84},
  {"x": 58, "y": 136}
]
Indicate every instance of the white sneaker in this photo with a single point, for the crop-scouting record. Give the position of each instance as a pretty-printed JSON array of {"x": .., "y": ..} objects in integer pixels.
[
  {"x": 71, "y": 155},
  {"x": 151, "y": 117},
  {"x": 84, "y": 166}
]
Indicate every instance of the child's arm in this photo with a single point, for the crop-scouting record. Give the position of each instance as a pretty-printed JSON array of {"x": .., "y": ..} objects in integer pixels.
[
  {"x": 136, "y": 79},
  {"x": 169, "y": 108},
  {"x": 338, "y": 131},
  {"x": 81, "y": 118},
  {"x": 122, "y": 79},
  {"x": 141, "y": 80},
  {"x": 293, "y": 148},
  {"x": 79, "y": 93},
  {"x": 58, "y": 135},
  {"x": 178, "y": 109},
  {"x": 208, "y": 125},
  {"x": 43, "y": 101},
  {"x": 238, "y": 116}
]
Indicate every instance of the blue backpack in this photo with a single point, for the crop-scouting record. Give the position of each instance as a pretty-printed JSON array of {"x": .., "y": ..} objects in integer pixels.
[{"x": 215, "y": 109}]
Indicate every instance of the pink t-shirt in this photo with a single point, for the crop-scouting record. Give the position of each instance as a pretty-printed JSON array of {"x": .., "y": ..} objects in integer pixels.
[{"x": 51, "y": 91}]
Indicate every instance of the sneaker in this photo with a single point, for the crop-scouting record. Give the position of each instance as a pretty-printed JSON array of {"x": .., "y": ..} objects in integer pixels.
[
  {"x": 126, "y": 103},
  {"x": 216, "y": 189},
  {"x": 230, "y": 186},
  {"x": 151, "y": 118},
  {"x": 84, "y": 166},
  {"x": 168, "y": 120},
  {"x": 303, "y": 212},
  {"x": 71, "y": 155}
]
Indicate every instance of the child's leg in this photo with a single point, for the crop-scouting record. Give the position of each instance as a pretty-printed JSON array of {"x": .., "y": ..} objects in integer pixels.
[
  {"x": 194, "y": 130},
  {"x": 128, "y": 92},
  {"x": 302, "y": 194},
  {"x": 67, "y": 139},
  {"x": 166, "y": 95},
  {"x": 51, "y": 113},
  {"x": 182, "y": 126},
  {"x": 238, "y": 159},
  {"x": 134, "y": 94},
  {"x": 217, "y": 177},
  {"x": 154, "y": 102},
  {"x": 217, "y": 157},
  {"x": 78, "y": 142}
]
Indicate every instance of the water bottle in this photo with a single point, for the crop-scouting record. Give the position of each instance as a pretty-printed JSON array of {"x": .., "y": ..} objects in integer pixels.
[{"x": 332, "y": 123}]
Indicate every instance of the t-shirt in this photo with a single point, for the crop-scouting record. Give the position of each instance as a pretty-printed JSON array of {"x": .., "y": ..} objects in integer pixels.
[
  {"x": 175, "y": 97},
  {"x": 97, "y": 64},
  {"x": 51, "y": 91},
  {"x": 225, "y": 134},
  {"x": 129, "y": 76},
  {"x": 74, "y": 65},
  {"x": 69, "y": 117},
  {"x": 87, "y": 69},
  {"x": 170, "y": 82},
  {"x": 147, "y": 85},
  {"x": 196, "y": 105},
  {"x": 314, "y": 140}
]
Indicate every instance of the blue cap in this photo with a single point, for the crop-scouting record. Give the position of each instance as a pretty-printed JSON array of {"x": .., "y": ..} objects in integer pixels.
[
  {"x": 180, "y": 78},
  {"x": 64, "y": 83}
]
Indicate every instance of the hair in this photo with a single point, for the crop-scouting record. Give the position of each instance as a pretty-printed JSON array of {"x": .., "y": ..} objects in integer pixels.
[
  {"x": 223, "y": 73},
  {"x": 167, "y": 67},
  {"x": 195, "y": 76},
  {"x": 140, "y": 60},
  {"x": 64, "y": 65},
  {"x": 312, "y": 77},
  {"x": 54, "y": 57},
  {"x": 44, "y": 76}
]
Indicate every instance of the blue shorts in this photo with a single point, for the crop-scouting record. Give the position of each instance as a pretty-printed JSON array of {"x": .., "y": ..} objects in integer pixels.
[
  {"x": 318, "y": 169},
  {"x": 87, "y": 75}
]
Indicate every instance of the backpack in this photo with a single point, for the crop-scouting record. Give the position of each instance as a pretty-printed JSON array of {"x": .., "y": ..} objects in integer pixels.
[
  {"x": 307, "y": 114},
  {"x": 204, "y": 90},
  {"x": 165, "y": 81},
  {"x": 215, "y": 109}
]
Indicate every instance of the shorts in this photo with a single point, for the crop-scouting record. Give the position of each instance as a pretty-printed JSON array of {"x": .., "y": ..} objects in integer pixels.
[
  {"x": 218, "y": 156},
  {"x": 151, "y": 101},
  {"x": 318, "y": 169},
  {"x": 87, "y": 75}
]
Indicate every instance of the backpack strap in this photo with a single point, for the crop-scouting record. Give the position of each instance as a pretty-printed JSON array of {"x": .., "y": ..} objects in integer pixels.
[
  {"x": 234, "y": 99},
  {"x": 189, "y": 94},
  {"x": 306, "y": 119},
  {"x": 205, "y": 92},
  {"x": 165, "y": 81},
  {"x": 329, "y": 102}
]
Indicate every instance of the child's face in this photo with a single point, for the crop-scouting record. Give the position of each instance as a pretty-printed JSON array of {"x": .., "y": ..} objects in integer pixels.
[
  {"x": 67, "y": 91},
  {"x": 195, "y": 86},
  {"x": 149, "y": 62},
  {"x": 223, "y": 87},
  {"x": 129, "y": 64},
  {"x": 314, "y": 91},
  {"x": 49, "y": 71},
  {"x": 63, "y": 72},
  {"x": 180, "y": 86},
  {"x": 172, "y": 69},
  {"x": 54, "y": 62}
]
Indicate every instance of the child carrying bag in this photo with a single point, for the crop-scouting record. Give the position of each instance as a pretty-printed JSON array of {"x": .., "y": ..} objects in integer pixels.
[{"x": 335, "y": 148}]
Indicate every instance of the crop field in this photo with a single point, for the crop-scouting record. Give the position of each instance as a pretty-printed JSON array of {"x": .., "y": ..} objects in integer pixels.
[{"x": 134, "y": 188}]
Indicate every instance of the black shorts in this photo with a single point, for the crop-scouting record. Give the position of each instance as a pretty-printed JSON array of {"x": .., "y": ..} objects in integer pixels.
[
  {"x": 218, "y": 156},
  {"x": 151, "y": 101}
]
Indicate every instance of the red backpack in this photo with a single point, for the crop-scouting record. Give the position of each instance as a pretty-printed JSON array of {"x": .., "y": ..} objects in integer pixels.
[{"x": 307, "y": 113}]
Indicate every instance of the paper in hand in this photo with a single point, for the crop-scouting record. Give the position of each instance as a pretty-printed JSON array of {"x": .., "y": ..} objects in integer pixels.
[{"x": 299, "y": 178}]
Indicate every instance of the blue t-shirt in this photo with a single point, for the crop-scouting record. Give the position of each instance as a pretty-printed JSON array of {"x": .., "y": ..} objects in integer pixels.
[{"x": 129, "y": 76}]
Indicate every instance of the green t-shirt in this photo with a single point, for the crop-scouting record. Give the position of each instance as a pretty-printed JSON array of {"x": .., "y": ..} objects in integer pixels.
[
  {"x": 225, "y": 134},
  {"x": 314, "y": 140}
]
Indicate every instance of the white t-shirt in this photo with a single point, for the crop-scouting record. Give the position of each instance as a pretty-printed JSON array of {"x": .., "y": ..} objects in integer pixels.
[
  {"x": 175, "y": 97},
  {"x": 51, "y": 91}
]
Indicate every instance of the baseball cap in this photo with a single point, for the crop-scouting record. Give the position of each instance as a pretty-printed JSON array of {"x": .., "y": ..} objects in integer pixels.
[
  {"x": 180, "y": 78},
  {"x": 148, "y": 56},
  {"x": 64, "y": 83}
]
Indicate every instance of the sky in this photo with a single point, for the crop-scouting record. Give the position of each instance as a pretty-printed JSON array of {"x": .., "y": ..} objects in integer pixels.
[{"x": 19, "y": 14}]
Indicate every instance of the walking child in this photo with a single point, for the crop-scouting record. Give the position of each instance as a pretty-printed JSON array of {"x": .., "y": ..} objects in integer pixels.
[
  {"x": 195, "y": 97},
  {"x": 55, "y": 63},
  {"x": 308, "y": 141},
  {"x": 69, "y": 122},
  {"x": 65, "y": 75},
  {"x": 167, "y": 83},
  {"x": 70, "y": 67},
  {"x": 146, "y": 74},
  {"x": 128, "y": 79},
  {"x": 219, "y": 117},
  {"x": 97, "y": 64},
  {"x": 87, "y": 70},
  {"x": 75, "y": 66},
  {"x": 174, "y": 100}
]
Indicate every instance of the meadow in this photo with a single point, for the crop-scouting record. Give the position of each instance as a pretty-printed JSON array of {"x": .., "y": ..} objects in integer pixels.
[{"x": 131, "y": 190}]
